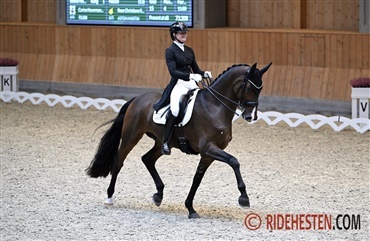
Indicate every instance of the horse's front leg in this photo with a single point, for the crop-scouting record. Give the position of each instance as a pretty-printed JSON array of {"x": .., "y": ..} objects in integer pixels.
[
  {"x": 218, "y": 154},
  {"x": 199, "y": 174}
]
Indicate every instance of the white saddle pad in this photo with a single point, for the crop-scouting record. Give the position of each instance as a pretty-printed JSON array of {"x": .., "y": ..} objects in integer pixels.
[{"x": 159, "y": 117}]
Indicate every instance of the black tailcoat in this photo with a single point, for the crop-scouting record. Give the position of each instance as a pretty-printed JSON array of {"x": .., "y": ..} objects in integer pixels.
[{"x": 180, "y": 64}]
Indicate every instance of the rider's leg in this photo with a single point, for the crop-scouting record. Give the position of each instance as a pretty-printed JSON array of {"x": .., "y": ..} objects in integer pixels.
[
  {"x": 180, "y": 89},
  {"x": 170, "y": 123}
]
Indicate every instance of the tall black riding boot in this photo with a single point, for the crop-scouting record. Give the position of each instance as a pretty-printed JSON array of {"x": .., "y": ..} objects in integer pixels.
[{"x": 170, "y": 123}]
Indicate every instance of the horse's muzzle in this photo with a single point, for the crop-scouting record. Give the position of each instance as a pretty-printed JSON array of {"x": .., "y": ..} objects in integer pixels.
[
  {"x": 249, "y": 106},
  {"x": 247, "y": 114}
]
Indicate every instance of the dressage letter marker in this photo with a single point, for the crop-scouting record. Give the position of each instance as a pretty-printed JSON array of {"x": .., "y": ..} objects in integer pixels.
[
  {"x": 9, "y": 78},
  {"x": 360, "y": 103}
]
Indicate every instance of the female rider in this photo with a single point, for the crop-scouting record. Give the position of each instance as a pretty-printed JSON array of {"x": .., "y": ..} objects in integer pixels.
[{"x": 185, "y": 73}]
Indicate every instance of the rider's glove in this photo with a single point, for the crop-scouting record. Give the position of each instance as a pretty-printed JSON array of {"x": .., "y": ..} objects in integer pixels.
[
  {"x": 195, "y": 77},
  {"x": 207, "y": 74}
]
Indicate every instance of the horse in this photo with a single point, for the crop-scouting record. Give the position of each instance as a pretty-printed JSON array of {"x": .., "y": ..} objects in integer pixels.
[{"x": 207, "y": 133}]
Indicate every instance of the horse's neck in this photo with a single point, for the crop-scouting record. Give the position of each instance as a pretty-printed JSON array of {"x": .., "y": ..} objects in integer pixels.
[
  {"x": 226, "y": 86},
  {"x": 221, "y": 96}
]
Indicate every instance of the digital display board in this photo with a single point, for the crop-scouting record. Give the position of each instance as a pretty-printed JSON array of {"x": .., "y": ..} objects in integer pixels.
[{"x": 130, "y": 12}]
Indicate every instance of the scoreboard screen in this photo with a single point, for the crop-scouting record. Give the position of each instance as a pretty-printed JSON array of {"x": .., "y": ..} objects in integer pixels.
[{"x": 130, "y": 12}]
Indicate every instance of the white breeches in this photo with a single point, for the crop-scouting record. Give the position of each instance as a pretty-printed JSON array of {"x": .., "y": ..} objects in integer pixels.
[{"x": 181, "y": 88}]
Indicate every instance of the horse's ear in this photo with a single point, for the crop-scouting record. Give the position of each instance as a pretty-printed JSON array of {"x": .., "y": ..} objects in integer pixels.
[
  {"x": 264, "y": 69},
  {"x": 252, "y": 69}
]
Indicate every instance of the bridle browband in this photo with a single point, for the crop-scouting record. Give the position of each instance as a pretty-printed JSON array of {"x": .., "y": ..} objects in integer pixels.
[{"x": 240, "y": 104}]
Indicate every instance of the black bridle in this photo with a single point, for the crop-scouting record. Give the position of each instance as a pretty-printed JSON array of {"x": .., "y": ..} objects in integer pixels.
[
  {"x": 255, "y": 88},
  {"x": 241, "y": 104}
]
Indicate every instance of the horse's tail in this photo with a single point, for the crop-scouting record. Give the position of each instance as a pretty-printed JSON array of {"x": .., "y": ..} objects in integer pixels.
[{"x": 104, "y": 157}]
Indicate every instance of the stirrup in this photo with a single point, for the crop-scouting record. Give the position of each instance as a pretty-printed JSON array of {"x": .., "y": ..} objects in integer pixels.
[{"x": 166, "y": 149}]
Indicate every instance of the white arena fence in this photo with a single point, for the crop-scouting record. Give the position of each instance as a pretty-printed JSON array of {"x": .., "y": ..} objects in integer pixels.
[{"x": 315, "y": 121}]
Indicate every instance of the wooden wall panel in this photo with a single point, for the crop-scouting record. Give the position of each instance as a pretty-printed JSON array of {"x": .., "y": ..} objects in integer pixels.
[
  {"x": 305, "y": 63},
  {"x": 294, "y": 14},
  {"x": 233, "y": 13},
  {"x": 333, "y": 14},
  {"x": 33, "y": 11},
  {"x": 364, "y": 51},
  {"x": 265, "y": 14},
  {"x": 10, "y": 10},
  {"x": 43, "y": 11}
]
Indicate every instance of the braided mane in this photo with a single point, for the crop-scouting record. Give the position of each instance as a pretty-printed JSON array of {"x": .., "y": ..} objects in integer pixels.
[{"x": 235, "y": 65}]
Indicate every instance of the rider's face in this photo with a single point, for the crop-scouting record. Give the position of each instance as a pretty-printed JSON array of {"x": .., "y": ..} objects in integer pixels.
[{"x": 181, "y": 36}]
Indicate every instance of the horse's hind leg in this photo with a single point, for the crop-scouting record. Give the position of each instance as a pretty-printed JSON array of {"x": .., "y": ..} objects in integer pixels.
[
  {"x": 128, "y": 141},
  {"x": 149, "y": 159},
  {"x": 115, "y": 170},
  {"x": 201, "y": 169}
]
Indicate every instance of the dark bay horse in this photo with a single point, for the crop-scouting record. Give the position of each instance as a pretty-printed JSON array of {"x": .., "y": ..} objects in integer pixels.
[{"x": 207, "y": 133}]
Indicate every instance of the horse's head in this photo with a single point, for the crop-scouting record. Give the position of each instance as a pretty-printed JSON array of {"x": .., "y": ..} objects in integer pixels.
[{"x": 250, "y": 90}]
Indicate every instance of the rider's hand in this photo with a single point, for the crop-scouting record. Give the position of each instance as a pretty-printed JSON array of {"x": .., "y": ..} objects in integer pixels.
[
  {"x": 195, "y": 77},
  {"x": 207, "y": 74}
]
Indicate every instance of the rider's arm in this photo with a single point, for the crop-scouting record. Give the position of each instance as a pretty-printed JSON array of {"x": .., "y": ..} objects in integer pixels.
[
  {"x": 172, "y": 66},
  {"x": 194, "y": 64}
]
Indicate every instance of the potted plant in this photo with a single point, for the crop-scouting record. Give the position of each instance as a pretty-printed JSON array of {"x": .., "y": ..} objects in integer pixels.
[
  {"x": 360, "y": 97},
  {"x": 9, "y": 74}
]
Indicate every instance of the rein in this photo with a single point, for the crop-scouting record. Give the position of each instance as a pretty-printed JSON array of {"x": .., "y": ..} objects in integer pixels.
[
  {"x": 213, "y": 92},
  {"x": 241, "y": 104}
]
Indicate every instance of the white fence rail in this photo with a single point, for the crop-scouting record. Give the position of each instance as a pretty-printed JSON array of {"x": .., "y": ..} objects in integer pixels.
[{"x": 338, "y": 123}]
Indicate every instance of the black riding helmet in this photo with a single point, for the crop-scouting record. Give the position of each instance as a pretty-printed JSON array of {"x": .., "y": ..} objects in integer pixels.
[{"x": 178, "y": 27}]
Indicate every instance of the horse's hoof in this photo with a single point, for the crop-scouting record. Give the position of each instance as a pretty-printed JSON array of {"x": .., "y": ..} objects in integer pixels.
[
  {"x": 109, "y": 201},
  {"x": 193, "y": 215},
  {"x": 244, "y": 202},
  {"x": 157, "y": 200}
]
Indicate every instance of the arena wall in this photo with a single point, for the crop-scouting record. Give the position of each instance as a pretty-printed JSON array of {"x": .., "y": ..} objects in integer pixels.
[
  {"x": 306, "y": 63},
  {"x": 315, "y": 47}
]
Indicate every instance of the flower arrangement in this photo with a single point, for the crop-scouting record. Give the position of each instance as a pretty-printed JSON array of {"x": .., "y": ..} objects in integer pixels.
[
  {"x": 7, "y": 62},
  {"x": 360, "y": 82}
]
